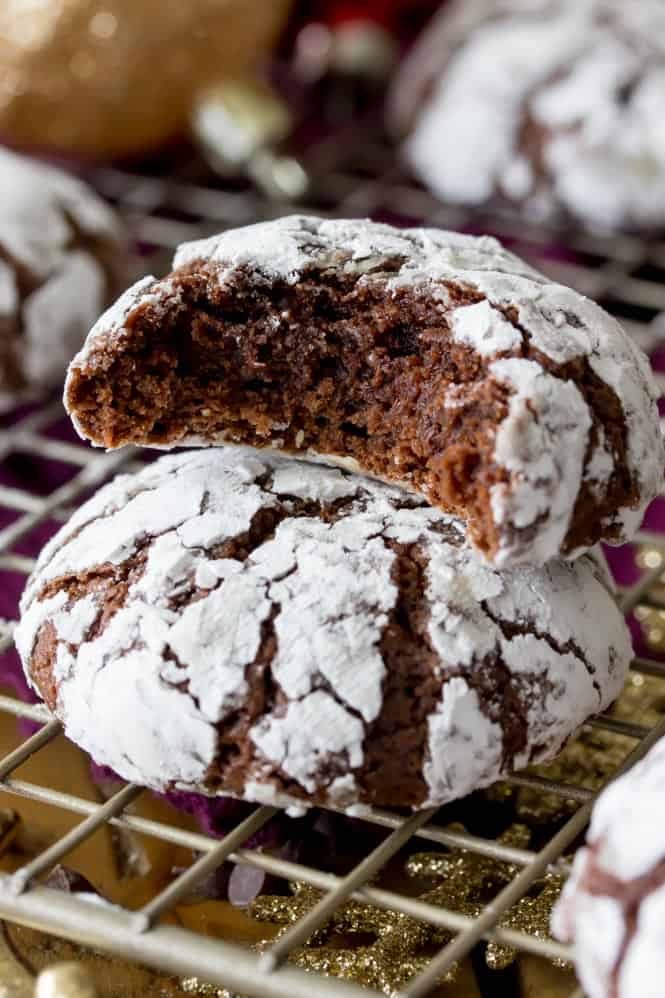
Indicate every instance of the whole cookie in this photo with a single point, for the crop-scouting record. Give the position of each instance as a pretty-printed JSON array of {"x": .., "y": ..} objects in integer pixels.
[
  {"x": 555, "y": 105},
  {"x": 60, "y": 264},
  {"x": 237, "y": 622},
  {"x": 613, "y": 906},
  {"x": 439, "y": 361}
]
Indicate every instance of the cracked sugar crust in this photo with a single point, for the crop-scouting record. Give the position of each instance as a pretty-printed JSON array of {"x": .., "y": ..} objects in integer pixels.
[
  {"x": 613, "y": 906},
  {"x": 435, "y": 360},
  {"x": 571, "y": 122},
  {"x": 60, "y": 264},
  {"x": 234, "y": 621}
]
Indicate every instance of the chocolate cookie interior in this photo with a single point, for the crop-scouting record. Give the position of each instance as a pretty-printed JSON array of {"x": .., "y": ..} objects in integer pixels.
[{"x": 333, "y": 365}]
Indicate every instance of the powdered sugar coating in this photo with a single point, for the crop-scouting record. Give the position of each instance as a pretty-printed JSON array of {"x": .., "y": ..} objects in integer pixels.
[
  {"x": 545, "y": 475},
  {"x": 551, "y": 103},
  {"x": 541, "y": 408},
  {"x": 621, "y": 873},
  {"x": 46, "y": 217},
  {"x": 221, "y": 564}
]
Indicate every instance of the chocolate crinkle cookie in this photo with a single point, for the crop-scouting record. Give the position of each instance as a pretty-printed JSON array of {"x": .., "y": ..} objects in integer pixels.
[
  {"x": 552, "y": 105},
  {"x": 613, "y": 906},
  {"x": 237, "y": 622},
  {"x": 438, "y": 361},
  {"x": 61, "y": 256}
]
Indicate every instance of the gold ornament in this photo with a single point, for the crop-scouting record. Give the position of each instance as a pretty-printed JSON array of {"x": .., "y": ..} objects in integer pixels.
[
  {"x": 65, "y": 980},
  {"x": 237, "y": 123},
  {"x": 110, "y": 78}
]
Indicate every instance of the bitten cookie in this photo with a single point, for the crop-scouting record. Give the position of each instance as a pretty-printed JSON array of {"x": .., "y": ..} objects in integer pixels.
[
  {"x": 554, "y": 105},
  {"x": 613, "y": 906},
  {"x": 435, "y": 360},
  {"x": 60, "y": 265},
  {"x": 237, "y": 622}
]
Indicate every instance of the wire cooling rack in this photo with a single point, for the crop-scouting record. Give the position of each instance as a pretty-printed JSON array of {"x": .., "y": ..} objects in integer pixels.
[{"x": 349, "y": 177}]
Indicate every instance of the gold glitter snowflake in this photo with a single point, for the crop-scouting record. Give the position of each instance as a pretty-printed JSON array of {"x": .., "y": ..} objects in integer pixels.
[
  {"x": 469, "y": 881},
  {"x": 400, "y": 946}
]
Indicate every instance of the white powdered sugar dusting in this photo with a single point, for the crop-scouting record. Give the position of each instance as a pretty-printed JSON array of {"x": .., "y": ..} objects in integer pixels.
[
  {"x": 485, "y": 329},
  {"x": 551, "y": 444},
  {"x": 542, "y": 444},
  {"x": 8, "y": 290},
  {"x": 457, "y": 585},
  {"x": 41, "y": 218},
  {"x": 625, "y": 849},
  {"x": 641, "y": 973},
  {"x": 288, "y": 247},
  {"x": 328, "y": 572},
  {"x": 72, "y": 625},
  {"x": 584, "y": 78},
  {"x": 308, "y": 598},
  {"x": 313, "y": 731},
  {"x": 36, "y": 221},
  {"x": 65, "y": 303},
  {"x": 464, "y": 745}
]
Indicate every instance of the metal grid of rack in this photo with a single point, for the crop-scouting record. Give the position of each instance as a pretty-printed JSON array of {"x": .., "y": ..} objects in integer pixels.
[{"x": 627, "y": 276}]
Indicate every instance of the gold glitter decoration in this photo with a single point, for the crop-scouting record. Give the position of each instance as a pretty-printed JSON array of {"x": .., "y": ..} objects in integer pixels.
[
  {"x": 651, "y": 615},
  {"x": 398, "y": 951},
  {"x": 402, "y": 946},
  {"x": 194, "y": 986},
  {"x": 111, "y": 78},
  {"x": 470, "y": 881},
  {"x": 652, "y": 622}
]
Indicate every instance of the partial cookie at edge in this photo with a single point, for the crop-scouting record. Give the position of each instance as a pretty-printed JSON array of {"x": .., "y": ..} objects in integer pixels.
[
  {"x": 613, "y": 906},
  {"x": 61, "y": 262}
]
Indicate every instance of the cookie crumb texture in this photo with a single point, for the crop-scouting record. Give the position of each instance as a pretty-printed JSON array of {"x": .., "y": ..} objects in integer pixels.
[
  {"x": 613, "y": 906},
  {"x": 238, "y": 622},
  {"x": 60, "y": 265},
  {"x": 553, "y": 105},
  {"x": 435, "y": 360}
]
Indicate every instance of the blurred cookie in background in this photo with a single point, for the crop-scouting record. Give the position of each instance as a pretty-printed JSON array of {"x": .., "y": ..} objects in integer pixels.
[
  {"x": 554, "y": 106},
  {"x": 62, "y": 258}
]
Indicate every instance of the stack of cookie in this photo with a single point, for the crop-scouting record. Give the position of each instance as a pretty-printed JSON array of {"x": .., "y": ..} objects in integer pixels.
[{"x": 376, "y": 584}]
